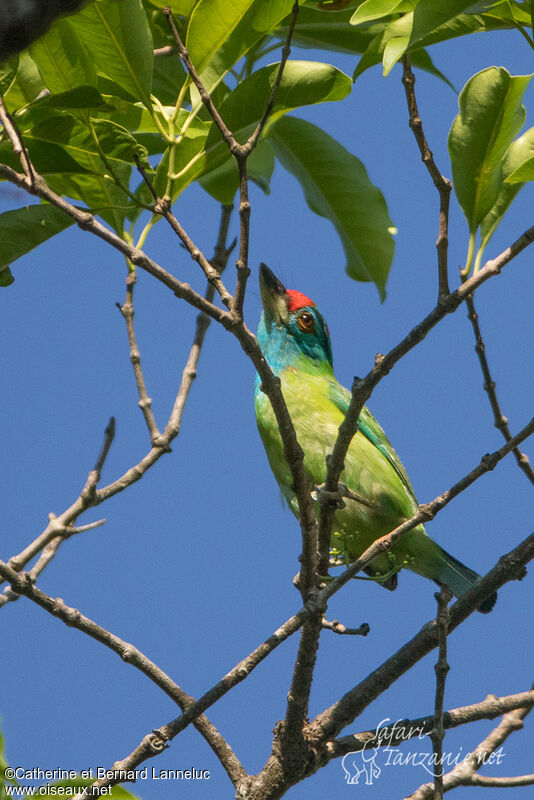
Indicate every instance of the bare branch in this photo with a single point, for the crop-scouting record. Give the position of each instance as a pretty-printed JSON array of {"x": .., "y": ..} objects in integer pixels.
[
  {"x": 464, "y": 773},
  {"x": 337, "y": 627},
  {"x": 162, "y": 207},
  {"x": 226, "y": 133},
  {"x": 442, "y": 184},
  {"x": 406, "y": 729},
  {"x": 145, "y": 403},
  {"x": 441, "y": 668},
  {"x": 16, "y": 140},
  {"x": 241, "y": 156},
  {"x": 501, "y": 783},
  {"x": 22, "y": 584},
  {"x": 60, "y": 528},
  {"x": 500, "y": 421}
]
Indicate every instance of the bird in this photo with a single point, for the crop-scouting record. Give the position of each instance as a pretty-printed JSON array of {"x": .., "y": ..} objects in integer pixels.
[{"x": 295, "y": 341}]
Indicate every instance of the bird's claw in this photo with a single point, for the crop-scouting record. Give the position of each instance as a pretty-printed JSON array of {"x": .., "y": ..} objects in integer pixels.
[{"x": 334, "y": 499}]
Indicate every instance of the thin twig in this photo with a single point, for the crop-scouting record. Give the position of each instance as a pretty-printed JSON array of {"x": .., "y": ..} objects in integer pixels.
[
  {"x": 501, "y": 783},
  {"x": 441, "y": 668},
  {"x": 241, "y": 156},
  {"x": 145, "y": 403},
  {"x": 61, "y": 527},
  {"x": 442, "y": 184},
  {"x": 22, "y": 584},
  {"x": 16, "y": 140},
  {"x": 226, "y": 133},
  {"x": 464, "y": 773},
  {"x": 337, "y": 627},
  {"x": 163, "y": 208},
  {"x": 405, "y": 729},
  {"x": 500, "y": 421}
]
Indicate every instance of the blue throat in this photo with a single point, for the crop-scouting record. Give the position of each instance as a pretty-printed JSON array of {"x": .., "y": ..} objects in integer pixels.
[{"x": 284, "y": 348}]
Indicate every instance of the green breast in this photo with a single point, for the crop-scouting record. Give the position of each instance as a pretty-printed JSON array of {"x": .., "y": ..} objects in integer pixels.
[{"x": 368, "y": 473}]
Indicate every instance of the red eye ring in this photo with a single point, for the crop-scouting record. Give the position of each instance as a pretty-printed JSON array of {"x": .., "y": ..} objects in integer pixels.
[{"x": 306, "y": 322}]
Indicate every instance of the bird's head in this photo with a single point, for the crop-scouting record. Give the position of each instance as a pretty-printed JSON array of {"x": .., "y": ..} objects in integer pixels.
[{"x": 292, "y": 331}]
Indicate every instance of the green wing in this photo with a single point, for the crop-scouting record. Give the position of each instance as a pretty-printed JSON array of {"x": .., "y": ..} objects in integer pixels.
[{"x": 372, "y": 431}]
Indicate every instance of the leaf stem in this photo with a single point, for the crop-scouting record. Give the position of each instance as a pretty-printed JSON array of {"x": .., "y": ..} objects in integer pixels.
[{"x": 470, "y": 253}]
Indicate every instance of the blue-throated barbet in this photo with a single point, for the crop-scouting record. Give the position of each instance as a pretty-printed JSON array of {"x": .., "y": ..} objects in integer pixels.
[{"x": 295, "y": 341}]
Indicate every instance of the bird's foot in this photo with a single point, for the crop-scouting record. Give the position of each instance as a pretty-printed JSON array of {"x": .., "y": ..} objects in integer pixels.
[{"x": 334, "y": 499}]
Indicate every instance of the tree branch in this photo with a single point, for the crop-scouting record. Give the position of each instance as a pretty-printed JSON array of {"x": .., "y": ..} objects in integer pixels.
[
  {"x": 162, "y": 207},
  {"x": 406, "y": 729},
  {"x": 60, "y": 528},
  {"x": 145, "y": 403},
  {"x": 17, "y": 143},
  {"x": 464, "y": 773},
  {"x": 241, "y": 155},
  {"x": 500, "y": 421},
  {"x": 441, "y": 668},
  {"x": 337, "y": 627},
  {"x": 442, "y": 184},
  {"x": 22, "y": 584},
  {"x": 226, "y": 133},
  {"x": 323, "y": 727}
]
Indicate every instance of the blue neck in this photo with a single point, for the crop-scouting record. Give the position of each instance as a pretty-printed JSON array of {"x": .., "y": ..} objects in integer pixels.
[{"x": 281, "y": 350}]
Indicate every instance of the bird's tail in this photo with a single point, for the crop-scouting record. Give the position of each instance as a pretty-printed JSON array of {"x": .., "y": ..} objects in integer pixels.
[{"x": 460, "y": 579}]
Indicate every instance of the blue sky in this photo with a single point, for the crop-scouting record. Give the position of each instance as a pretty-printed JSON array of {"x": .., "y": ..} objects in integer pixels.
[{"x": 195, "y": 562}]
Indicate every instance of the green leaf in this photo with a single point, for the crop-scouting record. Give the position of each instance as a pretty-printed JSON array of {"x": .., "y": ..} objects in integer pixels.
[
  {"x": 24, "y": 229},
  {"x": 517, "y": 167},
  {"x": 99, "y": 193},
  {"x": 27, "y": 85},
  {"x": 331, "y": 31},
  {"x": 81, "y": 97},
  {"x": 118, "y": 143},
  {"x": 62, "y": 60},
  {"x": 258, "y": 21},
  {"x": 211, "y": 23},
  {"x": 461, "y": 25},
  {"x": 169, "y": 76},
  {"x": 336, "y": 186},
  {"x": 8, "y": 71},
  {"x": 430, "y": 14},
  {"x": 117, "y": 36},
  {"x": 303, "y": 83},
  {"x": 393, "y": 52},
  {"x": 181, "y": 7},
  {"x": 376, "y": 9},
  {"x": 491, "y": 114}
]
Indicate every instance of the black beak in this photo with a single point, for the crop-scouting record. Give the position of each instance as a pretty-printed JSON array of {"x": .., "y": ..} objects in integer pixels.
[{"x": 273, "y": 295}]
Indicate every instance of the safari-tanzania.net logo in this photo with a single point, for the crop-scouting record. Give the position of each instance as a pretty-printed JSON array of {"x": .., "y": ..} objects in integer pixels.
[{"x": 365, "y": 766}]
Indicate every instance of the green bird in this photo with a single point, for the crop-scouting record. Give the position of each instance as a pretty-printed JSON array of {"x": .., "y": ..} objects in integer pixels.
[{"x": 295, "y": 341}]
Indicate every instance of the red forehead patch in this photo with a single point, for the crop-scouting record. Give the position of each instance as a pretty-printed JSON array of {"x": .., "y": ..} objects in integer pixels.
[{"x": 297, "y": 300}]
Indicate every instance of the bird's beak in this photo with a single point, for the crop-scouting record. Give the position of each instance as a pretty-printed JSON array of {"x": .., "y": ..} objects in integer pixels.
[{"x": 273, "y": 296}]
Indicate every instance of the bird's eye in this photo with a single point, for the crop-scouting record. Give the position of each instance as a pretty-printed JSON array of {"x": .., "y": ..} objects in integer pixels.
[{"x": 306, "y": 322}]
